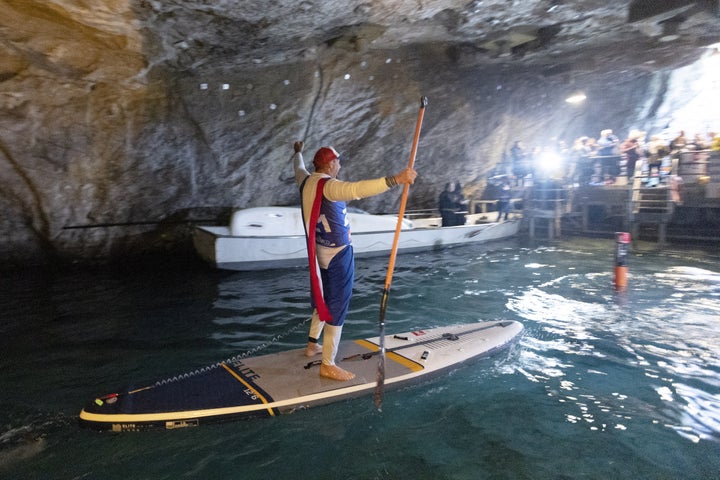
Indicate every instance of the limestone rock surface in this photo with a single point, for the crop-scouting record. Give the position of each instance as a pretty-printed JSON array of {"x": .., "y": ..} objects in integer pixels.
[{"x": 122, "y": 122}]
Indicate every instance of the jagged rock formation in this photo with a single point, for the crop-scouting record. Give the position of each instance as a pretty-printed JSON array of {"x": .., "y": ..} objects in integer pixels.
[{"x": 131, "y": 117}]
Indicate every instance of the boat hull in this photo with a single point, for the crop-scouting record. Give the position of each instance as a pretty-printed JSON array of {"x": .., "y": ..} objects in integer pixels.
[{"x": 225, "y": 251}]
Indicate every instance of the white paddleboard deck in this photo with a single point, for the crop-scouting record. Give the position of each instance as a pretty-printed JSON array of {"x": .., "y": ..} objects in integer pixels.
[{"x": 280, "y": 383}]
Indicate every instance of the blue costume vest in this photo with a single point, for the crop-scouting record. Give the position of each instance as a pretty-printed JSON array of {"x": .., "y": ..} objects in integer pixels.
[{"x": 333, "y": 226}]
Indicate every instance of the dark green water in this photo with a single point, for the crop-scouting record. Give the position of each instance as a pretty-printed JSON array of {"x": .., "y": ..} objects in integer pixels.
[{"x": 601, "y": 386}]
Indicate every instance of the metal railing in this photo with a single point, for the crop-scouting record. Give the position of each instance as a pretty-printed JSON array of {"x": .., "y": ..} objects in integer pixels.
[{"x": 693, "y": 165}]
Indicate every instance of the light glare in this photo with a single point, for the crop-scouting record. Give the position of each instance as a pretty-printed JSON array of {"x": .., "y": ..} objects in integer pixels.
[{"x": 576, "y": 98}]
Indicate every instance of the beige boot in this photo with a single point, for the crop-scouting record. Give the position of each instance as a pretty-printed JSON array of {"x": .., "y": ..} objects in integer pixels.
[
  {"x": 316, "y": 327},
  {"x": 328, "y": 369}
]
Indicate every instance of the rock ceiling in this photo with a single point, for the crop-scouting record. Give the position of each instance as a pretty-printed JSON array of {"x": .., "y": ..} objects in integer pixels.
[
  {"x": 555, "y": 35},
  {"x": 113, "y": 38}
]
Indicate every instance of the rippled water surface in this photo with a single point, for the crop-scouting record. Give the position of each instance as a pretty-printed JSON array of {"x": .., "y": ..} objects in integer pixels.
[{"x": 601, "y": 385}]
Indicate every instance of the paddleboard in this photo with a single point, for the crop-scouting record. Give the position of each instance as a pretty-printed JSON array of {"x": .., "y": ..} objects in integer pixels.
[{"x": 280, "y": 383}]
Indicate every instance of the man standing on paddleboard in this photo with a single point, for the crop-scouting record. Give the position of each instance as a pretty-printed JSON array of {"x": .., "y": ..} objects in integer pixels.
[{"x": 330, "y": 253}]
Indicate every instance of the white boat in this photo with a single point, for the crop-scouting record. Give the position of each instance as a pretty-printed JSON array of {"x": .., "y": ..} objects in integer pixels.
[{"x": 273, "y": 237}]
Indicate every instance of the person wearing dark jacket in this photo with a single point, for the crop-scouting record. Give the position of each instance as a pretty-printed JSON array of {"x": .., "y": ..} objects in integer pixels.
[
  {"x": 446, "y": 205},
  {"x": 504, "y": 201}
]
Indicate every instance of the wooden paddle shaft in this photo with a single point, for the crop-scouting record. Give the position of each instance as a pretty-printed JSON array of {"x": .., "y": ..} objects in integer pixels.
[
  {"x": 379, "y": 387},
  {"x": 403, "y": 199}
]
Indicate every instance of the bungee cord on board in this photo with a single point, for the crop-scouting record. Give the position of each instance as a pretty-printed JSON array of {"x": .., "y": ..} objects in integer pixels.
[{"x": 235, "y": 358}]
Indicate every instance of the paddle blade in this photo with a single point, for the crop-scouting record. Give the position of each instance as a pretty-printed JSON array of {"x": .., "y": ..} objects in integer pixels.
[{"x": 379, "y": 386}]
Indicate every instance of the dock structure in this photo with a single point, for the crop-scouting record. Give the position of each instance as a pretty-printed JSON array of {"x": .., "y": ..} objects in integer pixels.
[
  {"x": 547, "y": 203},
  {"x": 679, "y": 201}
]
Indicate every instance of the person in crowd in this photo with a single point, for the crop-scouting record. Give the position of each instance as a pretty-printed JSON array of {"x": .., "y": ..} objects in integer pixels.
[
  {"x": 582, "y": 149},
  {"x": 504, "y": 200},
  {"x": 607, "y": 143},
  {"x": 714, "y": 142},
  {"x": 698, "y": 142},
  {"x": 460, "y": 205},
  {"x": 632, "y": 150},
  {"x": 452, "y": 205},
  {"x": 519, "y": 161},
  {"x": 593, "y": 146},
  {"x": 330, "y": 251},
  {"x": 678, "y": 143},
  {"x": 446, "y": 205},
  {"x": 657, "y": 149}
]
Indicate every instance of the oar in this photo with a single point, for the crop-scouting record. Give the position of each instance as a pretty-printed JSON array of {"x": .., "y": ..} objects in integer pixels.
[{"x": 391, "y": 264}]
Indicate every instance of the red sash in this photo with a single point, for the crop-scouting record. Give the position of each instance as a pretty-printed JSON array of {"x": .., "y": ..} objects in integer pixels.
[{"x": 315, "y": 280}]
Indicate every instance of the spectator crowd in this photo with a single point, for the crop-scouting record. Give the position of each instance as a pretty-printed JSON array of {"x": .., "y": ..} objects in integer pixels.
[{"x": 602, "y": 160}]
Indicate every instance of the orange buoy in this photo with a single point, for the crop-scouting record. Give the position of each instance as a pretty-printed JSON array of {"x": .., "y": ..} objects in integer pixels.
[{"x": 622, "y": 242}]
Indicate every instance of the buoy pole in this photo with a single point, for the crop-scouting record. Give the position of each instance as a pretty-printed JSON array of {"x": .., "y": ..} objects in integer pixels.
[{"x": 622, "y": 241}]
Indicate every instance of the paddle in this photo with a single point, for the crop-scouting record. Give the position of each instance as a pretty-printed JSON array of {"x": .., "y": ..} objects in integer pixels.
[{"x": 391, "y": 264}]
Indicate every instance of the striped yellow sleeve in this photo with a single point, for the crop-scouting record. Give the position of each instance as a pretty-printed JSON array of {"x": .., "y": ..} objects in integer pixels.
[{"x": 337, "y": 190}]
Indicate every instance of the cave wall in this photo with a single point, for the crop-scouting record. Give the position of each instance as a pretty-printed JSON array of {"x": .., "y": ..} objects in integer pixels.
[{"x": 108, "y": 151}]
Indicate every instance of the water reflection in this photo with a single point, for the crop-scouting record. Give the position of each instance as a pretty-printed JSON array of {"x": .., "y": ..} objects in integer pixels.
[
  {"x": 634, "y": 378},
  {"x": 665, "y": 328}
]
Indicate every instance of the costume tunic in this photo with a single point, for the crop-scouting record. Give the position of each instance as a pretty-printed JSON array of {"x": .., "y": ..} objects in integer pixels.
[{"x": 333, "y": 240}]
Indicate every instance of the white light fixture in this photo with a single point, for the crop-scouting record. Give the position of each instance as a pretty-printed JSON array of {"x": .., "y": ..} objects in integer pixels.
[{"x": 576, "y": 97}]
